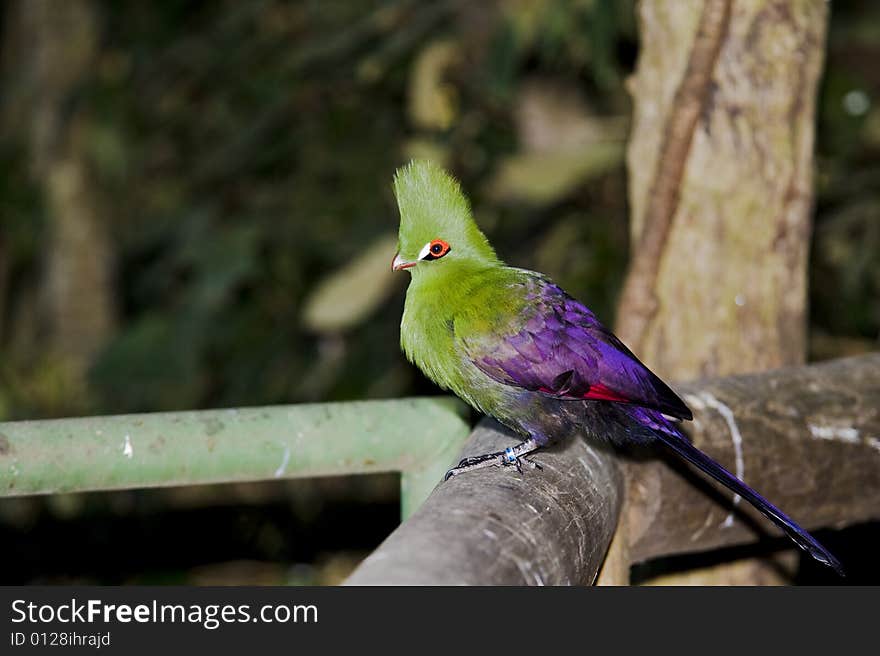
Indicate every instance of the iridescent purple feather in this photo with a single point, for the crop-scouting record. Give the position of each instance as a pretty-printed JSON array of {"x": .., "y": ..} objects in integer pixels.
[{"x": 561, "y": 349}]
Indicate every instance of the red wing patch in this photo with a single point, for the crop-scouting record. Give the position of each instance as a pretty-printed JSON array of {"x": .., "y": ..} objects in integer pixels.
[{"x": 599, "y": 391}]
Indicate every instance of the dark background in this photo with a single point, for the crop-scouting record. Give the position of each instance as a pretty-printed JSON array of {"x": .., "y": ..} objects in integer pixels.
[{"x": 228, "y": 235}]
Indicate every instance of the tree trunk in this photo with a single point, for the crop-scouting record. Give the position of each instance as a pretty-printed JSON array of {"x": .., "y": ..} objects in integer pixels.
[
  {"x": 720, "y": 161},
  {"x": 51, "y": 49}
]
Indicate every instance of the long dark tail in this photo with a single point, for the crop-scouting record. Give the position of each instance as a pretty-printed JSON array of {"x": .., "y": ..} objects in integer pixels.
[{"x": 800, "y": 537}]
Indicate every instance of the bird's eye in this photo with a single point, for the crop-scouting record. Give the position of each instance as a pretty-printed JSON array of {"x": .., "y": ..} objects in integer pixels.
[{"x": 434, "y": 250}]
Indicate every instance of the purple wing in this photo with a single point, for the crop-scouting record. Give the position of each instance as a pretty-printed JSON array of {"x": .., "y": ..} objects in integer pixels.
[{"x": 558, "y": 347}]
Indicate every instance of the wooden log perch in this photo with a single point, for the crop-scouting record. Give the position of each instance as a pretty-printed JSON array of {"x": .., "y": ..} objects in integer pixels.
[
  {"x": 496, "y": 527},
  {"x": 808, "y": 438}
]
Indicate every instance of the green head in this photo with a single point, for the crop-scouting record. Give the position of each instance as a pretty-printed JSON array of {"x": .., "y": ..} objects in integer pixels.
[{"x": 437, "y": 231}]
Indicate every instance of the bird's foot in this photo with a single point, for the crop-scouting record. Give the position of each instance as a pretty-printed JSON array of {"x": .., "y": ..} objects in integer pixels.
[
  {"x": 531, "y": 463},
  {"x": 477, "y": 462},
  {"x": 514, "y": 456}
]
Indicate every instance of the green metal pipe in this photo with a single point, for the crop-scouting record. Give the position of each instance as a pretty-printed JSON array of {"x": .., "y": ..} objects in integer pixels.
[{"x": 417, "y": 437}]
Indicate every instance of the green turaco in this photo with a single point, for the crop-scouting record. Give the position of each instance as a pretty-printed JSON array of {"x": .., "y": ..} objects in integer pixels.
[{"x": 516, "y": 347}]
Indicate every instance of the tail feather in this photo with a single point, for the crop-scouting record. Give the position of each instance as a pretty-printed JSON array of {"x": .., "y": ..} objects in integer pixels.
[{"x": 800, "y": 536}]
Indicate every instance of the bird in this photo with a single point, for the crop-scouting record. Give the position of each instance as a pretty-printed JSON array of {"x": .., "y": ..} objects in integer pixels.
[{"x": 515, "y": 346}]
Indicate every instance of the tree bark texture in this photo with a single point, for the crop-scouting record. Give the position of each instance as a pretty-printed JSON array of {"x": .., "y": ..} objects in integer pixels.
[
  {"x": 721, "y": 184},
  {"x": 547, "y": 527},
  {"x": 807, "y": 438},
  {"x": 720, "y": 163}
]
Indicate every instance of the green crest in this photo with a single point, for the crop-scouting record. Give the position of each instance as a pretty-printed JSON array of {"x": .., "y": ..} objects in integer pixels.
[{"x": 433, "y": 207}]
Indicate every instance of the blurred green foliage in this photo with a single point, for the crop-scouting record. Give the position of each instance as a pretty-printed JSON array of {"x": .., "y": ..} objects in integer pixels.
[
  {"x": 845, "y": 259},
  {"x": 244, "y": 151},
  {"x": 243, "y": 154}
]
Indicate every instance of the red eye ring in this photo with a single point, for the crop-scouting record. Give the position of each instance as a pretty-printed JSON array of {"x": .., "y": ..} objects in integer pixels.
[{"x": 437, "y": 249}]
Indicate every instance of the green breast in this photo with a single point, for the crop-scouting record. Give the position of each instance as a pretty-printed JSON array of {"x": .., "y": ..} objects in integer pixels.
[
  {"x": 427, "y": 334},
  {"x": 441, "y": 311}
]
